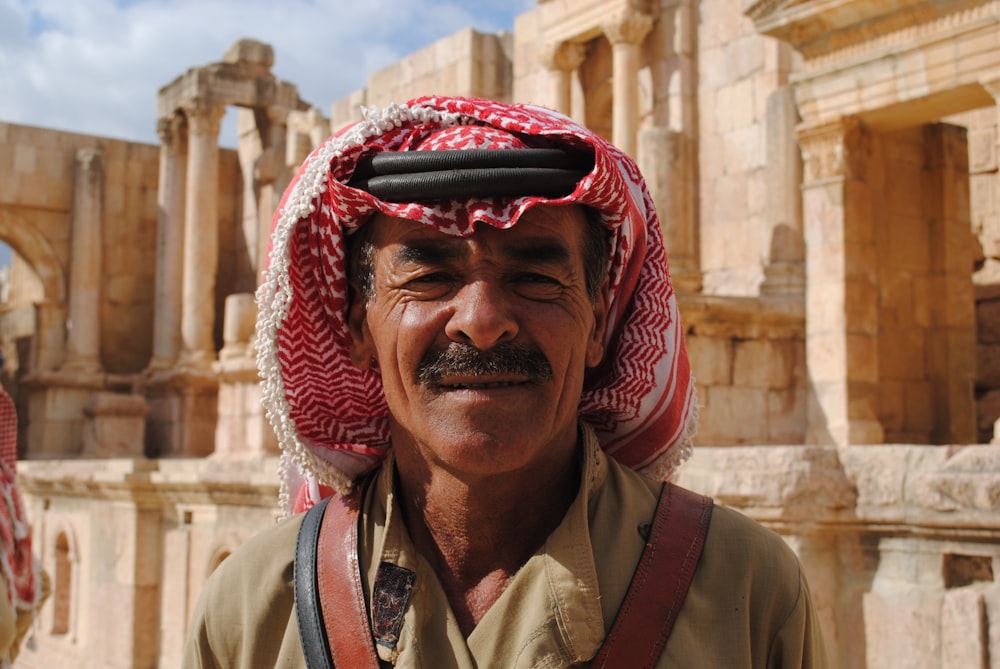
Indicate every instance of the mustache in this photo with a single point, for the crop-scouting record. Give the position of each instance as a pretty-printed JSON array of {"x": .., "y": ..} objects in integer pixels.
[{"x": 459, "y": 359}]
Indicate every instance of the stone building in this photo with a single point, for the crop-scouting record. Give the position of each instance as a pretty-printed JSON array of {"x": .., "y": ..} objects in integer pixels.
[{"x": 828, "y": 175}]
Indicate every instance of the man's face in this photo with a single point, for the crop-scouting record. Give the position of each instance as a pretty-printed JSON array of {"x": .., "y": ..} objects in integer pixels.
[{"x": 481, "y": 342}]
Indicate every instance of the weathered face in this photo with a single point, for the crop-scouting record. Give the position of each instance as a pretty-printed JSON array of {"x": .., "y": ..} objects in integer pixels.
[{"x": 481, "y": 342}]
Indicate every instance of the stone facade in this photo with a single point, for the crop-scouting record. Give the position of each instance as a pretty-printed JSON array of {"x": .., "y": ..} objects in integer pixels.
[{"x": 827, "y": 178}]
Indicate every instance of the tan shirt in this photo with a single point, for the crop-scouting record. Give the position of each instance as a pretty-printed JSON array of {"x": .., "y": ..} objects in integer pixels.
[{"x": 748, "y": 606}]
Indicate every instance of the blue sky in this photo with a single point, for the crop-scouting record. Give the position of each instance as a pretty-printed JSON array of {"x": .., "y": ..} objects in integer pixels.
[{"x": 95, "y": 66}]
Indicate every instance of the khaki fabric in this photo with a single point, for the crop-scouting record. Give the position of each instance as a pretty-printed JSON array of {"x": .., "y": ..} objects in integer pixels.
[{"x": 748, "y": 606}]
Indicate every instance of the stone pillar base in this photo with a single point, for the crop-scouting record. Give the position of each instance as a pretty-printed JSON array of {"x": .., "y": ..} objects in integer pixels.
[
  {"x": 243, "y": 430},
  {"x": 55, "y": 412},
  {"x": 784, "y": 280},
  {"x": 116, "y": 425},
  {"x": 183, "y": 411}
]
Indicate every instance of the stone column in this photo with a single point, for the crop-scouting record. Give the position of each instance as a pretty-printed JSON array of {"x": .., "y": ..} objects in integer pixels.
[
  {"x": 951, "y": 333},
  {"x": 626, "y": 32},
  {"x": 83, "y": 341},
  {"x": 201, "y": 233},
  {"x": 783, "y": 247},
  {"x": 841, "y": 285},
  {"x": 667, "y": 150},
  {"x": 49, "y": 343},
  {"x": 562, "y": 59},
  {"x": 991, "y": 232},
  {"x": 169, "y": 242}
]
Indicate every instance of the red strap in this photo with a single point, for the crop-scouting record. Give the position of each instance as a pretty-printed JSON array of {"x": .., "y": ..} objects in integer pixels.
[
  {"x": 661, "y": 581},
  {"x": 640, "y": 631},
  {"x": 338, "y": 575}
]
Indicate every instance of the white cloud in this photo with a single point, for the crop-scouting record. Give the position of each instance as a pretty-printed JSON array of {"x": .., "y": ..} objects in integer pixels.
[{"x": 95, "y": 66}]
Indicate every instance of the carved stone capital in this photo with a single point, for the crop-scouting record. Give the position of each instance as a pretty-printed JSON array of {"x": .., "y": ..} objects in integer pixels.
[
  {"x": 564, "y": 56},
  {"x": 203, "y": 117},
  {"x": 835, "y": 150},
  {"x": 627, "y": 27}
]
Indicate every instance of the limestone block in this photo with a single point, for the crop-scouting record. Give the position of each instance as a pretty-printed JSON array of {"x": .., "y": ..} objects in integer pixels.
[
  {"x": 744, "y": 149},
  {"x": 787, "y": 413},
  {"x": 902, "y": 630},
  {"x": 964, "y": 629},
  {"x": 25, "y": 158},
  {"x": 901, "y": 354},
  {"x": 735, "y": 414},
  {"x": 239, "y": 321},
  {"x": 988, "y": 321},
  {"x": 764, "y": 364},
  {"x": 919, "y": 408},
  {"x": 758, "y": 195},
  {"x": 711, "y": 360},
  {"x": 891, "y": 406},
  {"x": 790, "y": 482},
  {"x": 862, "y": 358},
  {"x": 250, "y": 52},
  {"x": 827, "y": 359},
  {"x": 982, "y": 189},
  {"x": 116, "y": 425},
  {"x": 968, "y": 482},
  {"x": 744, "y": 56},
  {"x": 734, "y": 106},
  {"x": 988, "y": 365},
  {"x": 880, "y": 475}
]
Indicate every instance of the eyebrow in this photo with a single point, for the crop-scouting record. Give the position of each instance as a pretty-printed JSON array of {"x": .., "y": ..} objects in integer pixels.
[
  {"x": 421, "y": 252},
  {"x": 539, "y": 251}
]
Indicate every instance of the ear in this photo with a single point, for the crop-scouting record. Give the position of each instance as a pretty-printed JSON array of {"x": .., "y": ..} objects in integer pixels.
[
  {"x": 595, "y": 344},
  {"x": 362, "y": 348}
]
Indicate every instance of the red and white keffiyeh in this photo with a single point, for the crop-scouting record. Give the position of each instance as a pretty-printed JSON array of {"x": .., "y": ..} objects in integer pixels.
[
  {"x": 331, "y": 418},
  {"x": 16, "y": 559}
]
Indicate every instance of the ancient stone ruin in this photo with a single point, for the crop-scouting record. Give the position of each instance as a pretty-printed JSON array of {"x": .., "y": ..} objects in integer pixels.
[{"x": 828, "y": 177}]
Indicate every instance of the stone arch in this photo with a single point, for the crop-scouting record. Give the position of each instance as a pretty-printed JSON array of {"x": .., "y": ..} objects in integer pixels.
[
  {"x": 30, "y": 244},
  {"x": 65, "y": 565}
]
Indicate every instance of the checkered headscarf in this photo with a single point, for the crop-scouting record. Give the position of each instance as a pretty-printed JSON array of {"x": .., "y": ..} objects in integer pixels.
[
  {"x": 16, "y": 559},
  {"x": 331, "y": 418}
]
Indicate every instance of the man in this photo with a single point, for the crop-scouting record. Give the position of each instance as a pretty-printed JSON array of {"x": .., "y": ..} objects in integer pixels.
[
  {"x": 467, "y": 311},
  {"x": 23, "y": 586}
]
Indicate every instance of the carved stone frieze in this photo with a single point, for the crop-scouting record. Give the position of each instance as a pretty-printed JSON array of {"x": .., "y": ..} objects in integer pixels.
[{"x": 969, "y": 480}]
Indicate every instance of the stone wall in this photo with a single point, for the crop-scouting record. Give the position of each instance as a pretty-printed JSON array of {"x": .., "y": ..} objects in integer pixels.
[
  {"x": 467, "y": 63},
  {"x": 806, "y": 372},
  {"x": 41, "y": 206},
  {"x": 748, "y": 360}
]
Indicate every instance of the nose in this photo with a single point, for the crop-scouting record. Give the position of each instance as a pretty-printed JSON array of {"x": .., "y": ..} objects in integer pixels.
[{"x": 482, "y": 315}]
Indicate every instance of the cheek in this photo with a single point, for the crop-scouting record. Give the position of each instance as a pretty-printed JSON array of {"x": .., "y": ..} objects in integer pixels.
[{"x": 407, "y": 331}]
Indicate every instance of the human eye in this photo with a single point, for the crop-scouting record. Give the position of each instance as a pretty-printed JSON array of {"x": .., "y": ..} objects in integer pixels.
[{"x": 537, "y": 285}]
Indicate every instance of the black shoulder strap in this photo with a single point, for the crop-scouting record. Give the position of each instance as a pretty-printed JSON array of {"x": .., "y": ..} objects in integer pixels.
[
  {"x": 661, "y": 581},
  {"x": 312, "y": 631},
  {"x": 329, "y": 598}
]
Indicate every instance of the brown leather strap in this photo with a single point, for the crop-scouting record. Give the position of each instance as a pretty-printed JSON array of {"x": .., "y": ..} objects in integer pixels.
[
  {"x": 338, "y": 576},
  {"x": 661, "y": 581}
]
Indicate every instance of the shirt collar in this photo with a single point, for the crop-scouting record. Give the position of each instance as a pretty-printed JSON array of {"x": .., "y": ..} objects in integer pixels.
[{"x": 549, "y": 612}]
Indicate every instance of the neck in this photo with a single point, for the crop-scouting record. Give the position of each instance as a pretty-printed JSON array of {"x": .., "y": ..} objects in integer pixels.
[{"x": 476, "y": 533}]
